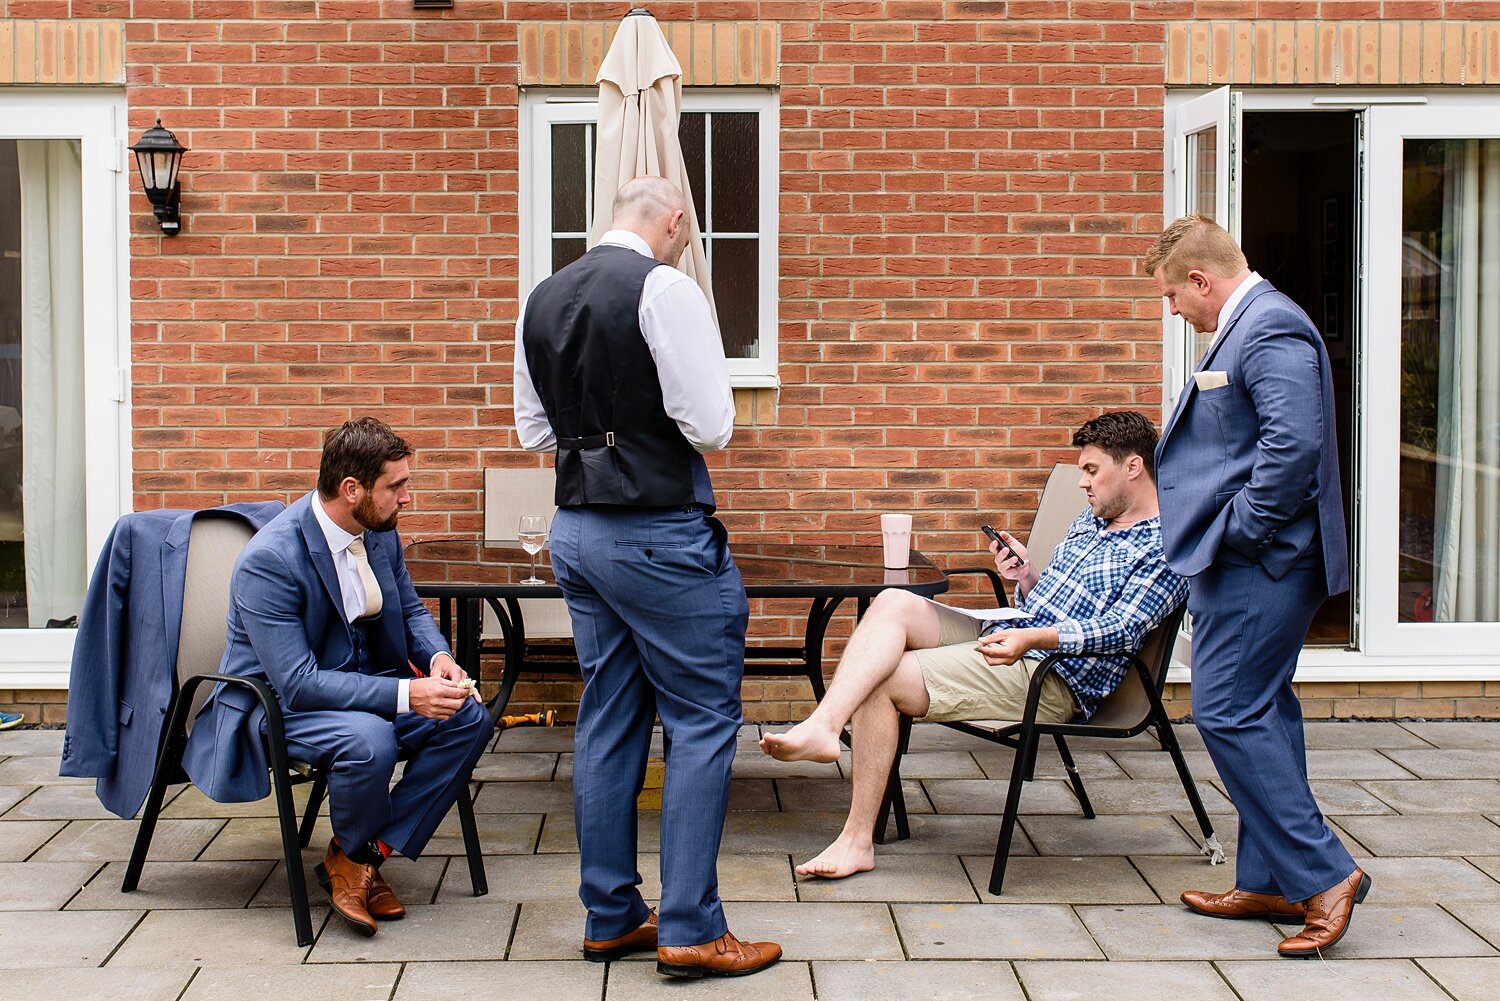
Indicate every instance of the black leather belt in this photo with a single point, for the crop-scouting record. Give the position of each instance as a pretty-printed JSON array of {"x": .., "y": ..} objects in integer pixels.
[{"x": 605, "y": 440}]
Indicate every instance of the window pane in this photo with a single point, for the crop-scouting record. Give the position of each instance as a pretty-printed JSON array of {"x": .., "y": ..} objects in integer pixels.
[
  {"x": 1450, "y": 365},
  {"x": 569, "y": 178},
  {"x": 736, "y": 182},
  {"x": 736, "y": 273},
  {"x": 1203, "y": 187},
  {"x": 566, "y": 251},
  {"x": 42, "y": 558},
  {"x": 690, "y": 134}
]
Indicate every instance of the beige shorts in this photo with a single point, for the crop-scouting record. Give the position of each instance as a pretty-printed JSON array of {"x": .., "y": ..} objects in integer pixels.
[{"x": 963, "y": 687}]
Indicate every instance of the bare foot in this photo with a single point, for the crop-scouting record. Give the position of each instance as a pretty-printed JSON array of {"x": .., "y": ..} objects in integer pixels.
[
  {"x": 842, "y": 858},
  {"x": 802, "y": 742}
]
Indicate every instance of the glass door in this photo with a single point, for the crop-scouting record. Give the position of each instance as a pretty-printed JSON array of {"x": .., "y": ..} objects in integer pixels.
[{"x": 1433, "y": 462}]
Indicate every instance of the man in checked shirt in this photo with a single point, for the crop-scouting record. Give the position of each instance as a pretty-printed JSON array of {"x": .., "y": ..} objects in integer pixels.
[{"x": 1107, "y": 586}]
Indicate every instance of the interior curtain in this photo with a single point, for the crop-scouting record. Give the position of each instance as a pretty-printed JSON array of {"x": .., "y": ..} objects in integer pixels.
[
  {"x": 1468, "y": 425},
  {"x": 52, "y": 438}
]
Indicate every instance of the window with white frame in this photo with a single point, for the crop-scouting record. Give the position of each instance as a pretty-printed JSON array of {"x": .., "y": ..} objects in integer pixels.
[{"x": 729, "y": 145}]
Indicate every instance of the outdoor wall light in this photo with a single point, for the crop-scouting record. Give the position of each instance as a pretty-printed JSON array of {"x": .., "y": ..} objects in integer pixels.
[{"x": 159, "y": 155}]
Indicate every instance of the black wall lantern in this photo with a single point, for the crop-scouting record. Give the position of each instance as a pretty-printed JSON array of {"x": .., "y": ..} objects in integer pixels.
[{"x": 159, "y": 155}]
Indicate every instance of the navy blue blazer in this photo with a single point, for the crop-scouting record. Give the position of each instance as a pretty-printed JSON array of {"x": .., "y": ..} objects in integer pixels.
[
  {"x": 125, "y": 657},
  {"x": 287, "y": 627},
  {"x": 1253, "y": 465}
]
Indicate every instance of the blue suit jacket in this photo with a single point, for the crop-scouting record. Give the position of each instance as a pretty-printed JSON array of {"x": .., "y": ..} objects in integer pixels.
[
  {"x": 1254, "y": 465},
  {"x": 287, "y": 626},
  {"x": 125, "y": 657}
]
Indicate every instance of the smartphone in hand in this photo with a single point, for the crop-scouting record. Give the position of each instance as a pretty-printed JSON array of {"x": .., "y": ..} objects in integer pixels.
[{"x": 988, "y": 530}]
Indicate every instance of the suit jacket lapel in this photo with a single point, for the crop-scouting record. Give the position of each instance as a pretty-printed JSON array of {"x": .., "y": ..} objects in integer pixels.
[
  {"x": 1257, "y": 290},
  {"x": 322, "y": 559},
  {"x": 174, "y": 554}
]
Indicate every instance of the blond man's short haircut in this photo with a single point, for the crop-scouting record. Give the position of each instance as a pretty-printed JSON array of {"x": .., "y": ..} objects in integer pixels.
[{"x": 1195, "y": 242}]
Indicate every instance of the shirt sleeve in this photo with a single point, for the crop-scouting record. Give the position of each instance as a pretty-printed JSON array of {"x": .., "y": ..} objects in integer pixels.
[
  {"x": 1148, "y": 596},
  {"x": 532, "y": 426},
  {"x": 403, "y": 696},
  {"x": 684, "y": 341}
]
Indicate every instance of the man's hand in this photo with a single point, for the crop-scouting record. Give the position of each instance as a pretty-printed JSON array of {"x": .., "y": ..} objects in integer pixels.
[
  {"x": 444, "y": 666},
  {"x": 1019, "y": 567},
  {"x": 1006, "y": 646},
  {"x": 436, "y": 698}
]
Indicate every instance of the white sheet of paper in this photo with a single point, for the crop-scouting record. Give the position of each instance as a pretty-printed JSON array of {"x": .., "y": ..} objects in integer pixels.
[{"x": 991, "y": 614}]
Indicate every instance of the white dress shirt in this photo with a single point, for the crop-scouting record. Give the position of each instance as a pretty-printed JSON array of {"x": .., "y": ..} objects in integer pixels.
[
  {"x": 350, "y": 584},
  {"x": 679, "y": 330},
  {"x": 1233, "y": 303}
]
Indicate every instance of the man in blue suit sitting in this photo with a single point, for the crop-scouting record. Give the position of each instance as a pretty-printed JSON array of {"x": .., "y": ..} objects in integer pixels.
[
  {"x": 1252, "y": 515},
  {"x": 322, "y": 608}
]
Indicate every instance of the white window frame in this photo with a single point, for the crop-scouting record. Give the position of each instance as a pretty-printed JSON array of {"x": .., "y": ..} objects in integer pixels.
[
  {"x": 1376, "y": 215},
  {"x": 40, "y": 658},
  {"x": 543, "y": 108}
]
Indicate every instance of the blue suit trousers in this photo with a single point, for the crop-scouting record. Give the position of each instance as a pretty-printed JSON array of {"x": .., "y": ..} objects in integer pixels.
[
  {"x": 1247, "y": 632},
  {"x": 359, "y": 751},
  {"x": 659, "y": 615}
]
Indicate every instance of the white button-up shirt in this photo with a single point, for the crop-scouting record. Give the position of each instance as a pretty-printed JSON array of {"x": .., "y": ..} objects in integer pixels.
[
  {"x": 679, "y": 331},
  {"x": 1233, "y": 303}
]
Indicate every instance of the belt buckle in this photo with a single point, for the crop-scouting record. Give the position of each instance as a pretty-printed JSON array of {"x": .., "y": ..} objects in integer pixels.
[{"x": 609, "y": 439}]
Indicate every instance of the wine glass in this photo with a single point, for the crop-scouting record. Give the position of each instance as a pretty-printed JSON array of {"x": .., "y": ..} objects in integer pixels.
[{"x": 532, "y": 534}]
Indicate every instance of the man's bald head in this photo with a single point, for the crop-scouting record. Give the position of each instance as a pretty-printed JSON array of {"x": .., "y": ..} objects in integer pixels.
[{"x": 656, "y": 210}]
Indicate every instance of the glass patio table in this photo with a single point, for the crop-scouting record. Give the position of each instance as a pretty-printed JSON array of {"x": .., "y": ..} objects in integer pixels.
[{"x": 463, "y": 573}]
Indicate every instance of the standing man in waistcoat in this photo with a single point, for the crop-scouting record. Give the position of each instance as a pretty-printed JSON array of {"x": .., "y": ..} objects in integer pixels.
[
  {"x": 620, "y": 368},
  {"x": 1252, "y": 514}
]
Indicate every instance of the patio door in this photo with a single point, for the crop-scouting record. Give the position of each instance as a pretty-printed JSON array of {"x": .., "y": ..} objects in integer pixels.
[{"x": 1433, "y": 575}]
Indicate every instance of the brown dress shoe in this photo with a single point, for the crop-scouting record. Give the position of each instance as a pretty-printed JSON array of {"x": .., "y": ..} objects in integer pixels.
[
  {"x": 725, "y": 956},
  {"x": 637, "y": 940},
  {"x": 383, "y": 904},
  {"x": 348, "y": 886},
  {"x": 1327, "y": 917},
  {"x": 1241, "y": 904}
]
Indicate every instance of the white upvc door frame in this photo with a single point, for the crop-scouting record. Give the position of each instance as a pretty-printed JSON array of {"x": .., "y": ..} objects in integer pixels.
[{"x": 40, "y": 658}]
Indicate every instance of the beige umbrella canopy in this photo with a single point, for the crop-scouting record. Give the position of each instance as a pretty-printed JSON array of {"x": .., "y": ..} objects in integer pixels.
[{"x": 640, "y": 99}]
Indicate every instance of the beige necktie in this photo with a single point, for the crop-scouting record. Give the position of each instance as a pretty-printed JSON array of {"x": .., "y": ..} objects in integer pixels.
[{"x": 373, "y": 601}]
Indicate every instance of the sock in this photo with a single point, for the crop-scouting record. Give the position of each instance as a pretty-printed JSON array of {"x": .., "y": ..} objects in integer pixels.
[{"x": 373, "y": 853}]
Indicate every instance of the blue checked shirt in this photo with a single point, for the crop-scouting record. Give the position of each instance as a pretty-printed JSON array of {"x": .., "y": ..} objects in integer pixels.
[{"x": 1103, "y": 592}]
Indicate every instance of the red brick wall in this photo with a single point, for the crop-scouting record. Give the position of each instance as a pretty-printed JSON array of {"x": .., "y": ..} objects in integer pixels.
[{"x": 966, "y": 187}]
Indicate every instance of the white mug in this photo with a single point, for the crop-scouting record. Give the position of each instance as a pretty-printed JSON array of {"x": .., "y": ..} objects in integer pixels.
[{"x": 895, "y": 533}]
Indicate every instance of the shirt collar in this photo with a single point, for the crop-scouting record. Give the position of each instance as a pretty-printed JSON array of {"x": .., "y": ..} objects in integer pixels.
[
  {"x": 338, "y": 539},
  {"x": 1235, "y": 298},
  {"x": 625, "y": 238}
]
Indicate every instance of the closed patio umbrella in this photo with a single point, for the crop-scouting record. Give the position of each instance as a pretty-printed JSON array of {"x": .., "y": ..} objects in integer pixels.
[{"x": 640, "y": 99}]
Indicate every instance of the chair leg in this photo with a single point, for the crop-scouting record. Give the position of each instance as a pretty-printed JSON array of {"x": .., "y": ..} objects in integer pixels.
[
  {"x": 1024, "y": 762},
  {"x": 147, "y": 828},
  {"x": 1073, "y": 777},
  {"x": 314, "y": 804},
  {"x": 1211, "y": 846},
  {"x": 471, "y": 841},
  {"x": 895, "y": 797},
  {"x": 286, "y": 814}
]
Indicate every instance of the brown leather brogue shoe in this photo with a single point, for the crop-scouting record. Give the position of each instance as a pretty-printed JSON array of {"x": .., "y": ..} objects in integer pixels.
[
  {"x": 1327, "y": 918},
  {"x": 725, "y": 956},
  {"x": 348, "y": 886},
  {"x": 383, "y": 903},
  {"x": 1241, "y": 904},
  {"x": 637, "y": 940}
]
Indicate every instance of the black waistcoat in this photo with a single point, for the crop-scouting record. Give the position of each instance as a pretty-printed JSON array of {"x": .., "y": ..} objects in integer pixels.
[{"x": 598, "y": 384}]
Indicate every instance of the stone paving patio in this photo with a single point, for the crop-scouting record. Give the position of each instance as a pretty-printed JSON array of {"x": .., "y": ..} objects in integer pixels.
[{"x": 1090, "y": 907}]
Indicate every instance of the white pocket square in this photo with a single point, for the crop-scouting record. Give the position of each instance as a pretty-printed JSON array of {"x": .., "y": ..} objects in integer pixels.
[{"x": 1210, "y": 380}]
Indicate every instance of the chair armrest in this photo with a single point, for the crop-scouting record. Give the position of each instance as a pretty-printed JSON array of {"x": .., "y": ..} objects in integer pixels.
[
  {"x": 996, "y": 583},
  {"x": 1049, "y": 666},
  {"x": 260, "y": 689}
]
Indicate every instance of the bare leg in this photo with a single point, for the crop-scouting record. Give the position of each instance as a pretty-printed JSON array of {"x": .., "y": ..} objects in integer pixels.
[
  {"x": 876, "y": 729},
  {"x": 897, "y": 621}
]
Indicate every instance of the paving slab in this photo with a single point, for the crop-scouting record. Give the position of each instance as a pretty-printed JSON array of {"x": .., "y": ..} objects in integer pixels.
[
  {"x": 947, "y": 835},
  {"x": 951, "y": 980},
  {"x": 1122, "y": 981},
  {"x": 32, "y": 742},
  {"x": 61, "y": 938},
  {"x": 1151, "y": 796},
  {"x": 515, "y": 766},
  {"x": 1457, "y": 763},
  {"x": 555, "y": 877},
  {"x": 1344, "y": 734},
  {"x": 83, "y": 984},
  {"x": 1438, "y": 795},
  {"x": 896, "y": 878},
  {"x": 1152, "y": 763},
  {"x": 173, "y": 885},
  {"x": 1487, "y": 864},
  {"x": 216, "y": 937},
  {"x": 786, "y": 981},
  {"x": 499, "y": 834},
  {"x": 1366, "y": 980},
  {"x": 189, "y": 801},
  {"x": 1425, "y": 834},
  {"x": 1465, "y": 979},
  {"x": 11, "y": 795},
  {"x": 113, "y": 840},
  {"x": 524, "y": 797},
  {"x": 993, "y": 931},
  {"x": 20, "y": 838},
  {"x": 60, "y": 802},
  {"x": 1346, "y": 797},
  {"x": 254, "y": 838},
  {"x": 1171, "y": 931},
  {"x": 553, "y": 930},
  {"x": 1405, "y": 931},
  {"x": 818, "y": 930},
  {"x": 36, "y": 769},
  {"x": 1139, "y": 834},
  {"x": 936, "y": 737},
  {"x": 542, "y": 981},
  {"x": 534, "y": 738},
  {"x": 42, "y": 886},
  {"x": 762, "y": 766},
  {"x": 1456, "y": 734},
  {"x": 1169, "y": 875},
  {"x": 1061, "y": 880},
  {"x": 826, "y": 795},
  {"x": 1092, "y": 765},
  {"x": 988, "y": 796},
  {"x": 1481, "y": 917},
  {"x": 429, "y": 933},
  {"x": 940, "y": 765},
  {"x": 1429, "y": 880},
  {"x": 352, "y": 982}
]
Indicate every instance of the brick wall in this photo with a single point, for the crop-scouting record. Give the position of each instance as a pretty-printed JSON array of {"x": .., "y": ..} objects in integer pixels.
[{"x": 966, "y": 187}]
